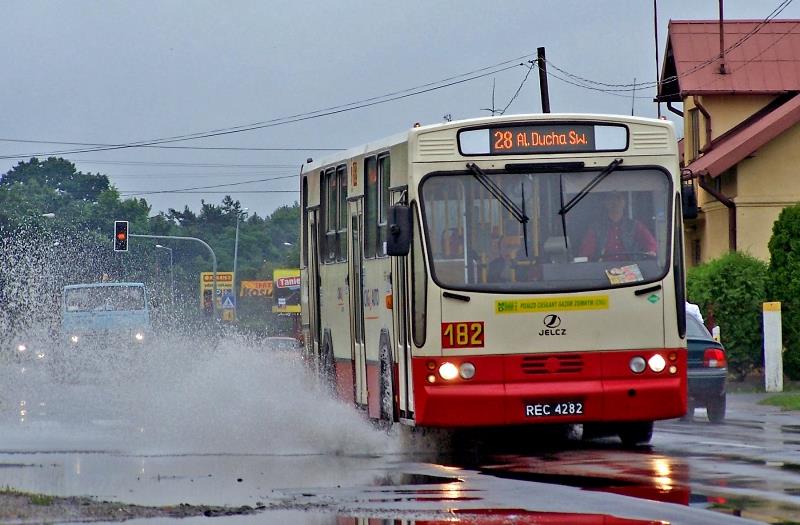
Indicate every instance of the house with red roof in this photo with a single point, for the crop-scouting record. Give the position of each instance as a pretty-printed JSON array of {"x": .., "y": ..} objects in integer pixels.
[{"x": 739, "y": 85}]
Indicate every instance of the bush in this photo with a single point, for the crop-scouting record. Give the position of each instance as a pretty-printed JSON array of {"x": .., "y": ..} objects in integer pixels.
[
  {"x": 784, "y": 283},
  {"x": 731, "y": 289}
]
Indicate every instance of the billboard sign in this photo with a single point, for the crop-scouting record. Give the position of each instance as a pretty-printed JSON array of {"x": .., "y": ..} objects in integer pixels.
[
  {"x": 258, "y": 289},
  {"x": 286, "y": 290}
]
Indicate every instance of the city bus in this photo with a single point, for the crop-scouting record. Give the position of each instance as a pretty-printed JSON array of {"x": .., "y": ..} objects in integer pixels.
[{"x": 501, "y": 271}]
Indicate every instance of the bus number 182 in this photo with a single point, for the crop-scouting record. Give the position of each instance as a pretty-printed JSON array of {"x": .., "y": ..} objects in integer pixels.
[{"x": 467, "y": 334}]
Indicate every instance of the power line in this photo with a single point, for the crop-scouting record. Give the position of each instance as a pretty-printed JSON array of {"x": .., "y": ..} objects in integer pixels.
[
  {"x": 611, "y": 88},
  {"x": 186, "y": 164},
  {"x": 213, "y": 148},
  {"x": 397, "y": 95},
  {"x": 174, "y": 190},
  {"x": 516, "y": 93}
]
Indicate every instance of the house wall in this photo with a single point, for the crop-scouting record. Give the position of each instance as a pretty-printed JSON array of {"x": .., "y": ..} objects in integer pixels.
[{"x": 761, "y": 185}]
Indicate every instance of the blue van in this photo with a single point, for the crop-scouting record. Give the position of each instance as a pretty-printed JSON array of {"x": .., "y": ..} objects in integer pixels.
[{"x": 101, "y": 313}]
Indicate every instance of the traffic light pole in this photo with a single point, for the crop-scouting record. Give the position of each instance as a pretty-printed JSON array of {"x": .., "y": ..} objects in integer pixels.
[{"x": 213, "y": 259}]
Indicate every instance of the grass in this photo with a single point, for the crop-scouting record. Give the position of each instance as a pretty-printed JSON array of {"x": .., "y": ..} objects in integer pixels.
[
  {"x": 784, "y": 401},
  {"x": 34, "y": 499}
]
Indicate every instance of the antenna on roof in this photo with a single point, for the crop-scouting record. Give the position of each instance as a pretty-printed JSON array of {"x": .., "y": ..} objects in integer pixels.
[{"x": 721, "y": 41}]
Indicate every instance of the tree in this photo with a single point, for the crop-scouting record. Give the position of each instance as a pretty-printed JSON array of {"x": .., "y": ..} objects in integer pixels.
[{"x": 784, "y": 283}]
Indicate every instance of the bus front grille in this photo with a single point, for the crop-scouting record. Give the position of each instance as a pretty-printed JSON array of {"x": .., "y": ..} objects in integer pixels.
[{"x": 552, "y": 364}]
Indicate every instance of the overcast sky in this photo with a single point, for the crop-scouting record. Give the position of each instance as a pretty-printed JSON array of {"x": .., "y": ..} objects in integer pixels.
[{"x": 112, "y": 72}]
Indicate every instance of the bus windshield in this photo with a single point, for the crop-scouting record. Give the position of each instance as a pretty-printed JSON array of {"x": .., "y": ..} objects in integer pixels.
[
  {"x": 617, "y": 234},
  {"x": 104, "y": 298}
]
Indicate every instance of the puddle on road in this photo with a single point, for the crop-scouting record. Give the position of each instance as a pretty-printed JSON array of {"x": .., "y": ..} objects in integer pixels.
[
  {"x": 184, "y": 417},
  {"x": 653, "y": 477},
  {"x": 471, "y": 517}
]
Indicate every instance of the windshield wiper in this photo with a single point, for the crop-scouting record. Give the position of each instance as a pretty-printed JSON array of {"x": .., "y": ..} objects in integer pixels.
[
  {"x": 589, "y": 187},
  {"x": 502, "y": 197}
]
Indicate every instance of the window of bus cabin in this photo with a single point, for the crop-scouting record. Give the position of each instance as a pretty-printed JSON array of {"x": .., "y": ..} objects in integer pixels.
[
  {"x": 334, "y": 213},
  {"x": 376, "y": 202},
  {"x": 384, "y": 176},
  {"x": 304, "y": 224},
  {"x": 476, "y": 244},
  {"x": 341, "y": 231}
]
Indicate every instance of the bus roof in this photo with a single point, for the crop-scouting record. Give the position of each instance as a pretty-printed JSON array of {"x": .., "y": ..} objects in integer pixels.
[
  {"x": 99, "y": 285},
  {"x": 398, "y": 138}
]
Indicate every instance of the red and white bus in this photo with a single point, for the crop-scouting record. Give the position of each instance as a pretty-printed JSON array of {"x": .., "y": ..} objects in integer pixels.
[{"x": 501, "y": 271}]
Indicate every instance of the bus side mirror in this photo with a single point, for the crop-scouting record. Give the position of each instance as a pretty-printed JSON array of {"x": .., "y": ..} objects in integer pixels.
[
  {"x": 689, "y": 201},
  {"x": 398, "y": 242}
]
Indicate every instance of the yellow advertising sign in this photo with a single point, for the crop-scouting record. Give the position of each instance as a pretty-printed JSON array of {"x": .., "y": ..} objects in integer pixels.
[
  {"x": 286, "y": 290},
  {"x": 224, "y": 285},
  {"x": 261, "y": 289},
  {"x": 551, "y": 304}
]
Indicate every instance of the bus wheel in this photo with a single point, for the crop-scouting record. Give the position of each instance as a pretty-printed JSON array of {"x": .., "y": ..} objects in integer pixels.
[
  {"x": 327, "y": 367},
  {"x": 386, "y": 383},
  {"x": 638, "y": 433}
]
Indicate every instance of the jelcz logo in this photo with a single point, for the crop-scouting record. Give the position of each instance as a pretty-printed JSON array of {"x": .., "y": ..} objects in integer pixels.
[{"x": 552, "y": 323}]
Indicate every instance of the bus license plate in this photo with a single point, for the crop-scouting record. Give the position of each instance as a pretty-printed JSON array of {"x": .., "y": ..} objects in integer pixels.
[{"x": 554, "y": 409}]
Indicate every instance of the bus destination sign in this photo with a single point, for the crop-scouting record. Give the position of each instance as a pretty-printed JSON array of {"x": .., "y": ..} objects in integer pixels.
[{"x": 553, "y": 138}]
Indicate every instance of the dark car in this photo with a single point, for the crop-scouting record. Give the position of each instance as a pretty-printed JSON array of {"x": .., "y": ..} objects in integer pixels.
[{"x": 707, "y": 373}]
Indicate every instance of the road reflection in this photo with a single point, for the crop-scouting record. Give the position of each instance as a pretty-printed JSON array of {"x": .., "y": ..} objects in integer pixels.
[
  {"x": 502, "y": 517},
  {"x": 644, "y": 475}
]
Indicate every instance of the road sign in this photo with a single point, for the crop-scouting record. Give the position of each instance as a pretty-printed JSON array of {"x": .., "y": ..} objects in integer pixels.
[{"x": 228, "y": 302}]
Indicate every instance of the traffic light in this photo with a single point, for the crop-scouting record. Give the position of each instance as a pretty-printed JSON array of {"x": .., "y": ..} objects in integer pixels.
[{"x": 120, "y": 236}]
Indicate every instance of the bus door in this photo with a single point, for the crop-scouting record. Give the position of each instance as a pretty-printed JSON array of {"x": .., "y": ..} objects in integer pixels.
[
  {"x": 402, "y": 329},
  {"x": 358, "y": 348},
  {"x": 314, "y": 286}
]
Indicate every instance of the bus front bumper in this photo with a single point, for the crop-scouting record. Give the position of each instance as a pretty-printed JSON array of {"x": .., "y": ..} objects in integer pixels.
[{"x": 505, "y": 391}]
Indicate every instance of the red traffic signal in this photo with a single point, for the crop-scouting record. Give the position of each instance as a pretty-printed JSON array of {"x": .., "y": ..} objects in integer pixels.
[{"x": 120, "y": 236}]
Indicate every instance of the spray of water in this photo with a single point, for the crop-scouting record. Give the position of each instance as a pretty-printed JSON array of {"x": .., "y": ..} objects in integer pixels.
[{"x": 183, "y": 391}]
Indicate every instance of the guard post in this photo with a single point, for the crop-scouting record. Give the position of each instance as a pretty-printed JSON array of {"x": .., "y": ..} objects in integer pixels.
[{"x": 773, "y": 348}]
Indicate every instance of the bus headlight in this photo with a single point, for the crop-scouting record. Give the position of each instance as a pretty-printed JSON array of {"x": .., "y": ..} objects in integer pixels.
[
  {"x": 637, "y": 365},
  {"x": 139, "y": 336},
  {"x": 466, "y": 370},
  {"x": 657, "y": 363},
  {"x": 21, "y": 348},
  {"x": 74, "y": 339},
  {"x": 448, "y": 371}
]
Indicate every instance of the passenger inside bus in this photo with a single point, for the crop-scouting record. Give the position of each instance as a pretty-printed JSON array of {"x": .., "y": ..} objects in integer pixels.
[{"x": 615, "y": 236}]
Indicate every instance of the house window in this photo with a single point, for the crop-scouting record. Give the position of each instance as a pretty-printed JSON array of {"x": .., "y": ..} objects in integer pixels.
[{"x": 694, "y": 123}]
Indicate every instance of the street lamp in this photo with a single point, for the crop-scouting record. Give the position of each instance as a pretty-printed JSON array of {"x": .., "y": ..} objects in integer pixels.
[
  {"x": 236, "y": 254},
  {"x": 49, "y": 215},
  {"x": 171, "y": 275}
]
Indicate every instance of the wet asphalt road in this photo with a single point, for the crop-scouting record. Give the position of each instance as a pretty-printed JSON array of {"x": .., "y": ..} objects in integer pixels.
[{"x": 267, "y": 437}]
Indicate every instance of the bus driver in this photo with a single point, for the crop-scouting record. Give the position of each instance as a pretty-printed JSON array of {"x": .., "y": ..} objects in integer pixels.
[{"x": 616, "y": 237}]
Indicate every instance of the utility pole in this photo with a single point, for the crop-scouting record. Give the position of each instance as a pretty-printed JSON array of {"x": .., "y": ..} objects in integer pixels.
[
  {"x": 204, "y": 243},
  {"x": 542, "y": 63},
  {"x": 235, "y": 257}
]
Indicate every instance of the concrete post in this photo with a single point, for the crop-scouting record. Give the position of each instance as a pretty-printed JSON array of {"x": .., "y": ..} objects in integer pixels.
[{"x": 773, "y": 348}]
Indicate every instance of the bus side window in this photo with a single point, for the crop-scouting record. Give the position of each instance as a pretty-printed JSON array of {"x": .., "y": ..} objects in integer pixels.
[
  {"x": 341, "y": 230},
  {"x": 370, "y": 207},
  {"x": 384, "y": 174}
]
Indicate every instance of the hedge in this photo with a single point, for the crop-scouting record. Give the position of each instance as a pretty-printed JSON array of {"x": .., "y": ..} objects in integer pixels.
[{"x": 730, "y": 290}]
